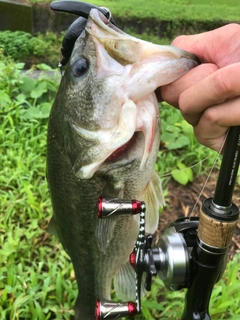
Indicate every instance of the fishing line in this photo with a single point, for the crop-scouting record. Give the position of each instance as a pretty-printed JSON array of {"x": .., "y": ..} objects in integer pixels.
[
  {"x": 204, "y": 186},
  {"x": 209, "y": 174},
  {"x": 180, "y": 170}
]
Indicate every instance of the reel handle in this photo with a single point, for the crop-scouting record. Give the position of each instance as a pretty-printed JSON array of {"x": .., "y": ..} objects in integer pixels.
[
  {"x": 112, "y": 207},
  {"x": 114, "y": 310}
]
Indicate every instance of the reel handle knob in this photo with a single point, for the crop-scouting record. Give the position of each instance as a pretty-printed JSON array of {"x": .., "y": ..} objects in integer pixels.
[
  {"x": 114, "y": 310},
  {"x": 112, "y": 207}
]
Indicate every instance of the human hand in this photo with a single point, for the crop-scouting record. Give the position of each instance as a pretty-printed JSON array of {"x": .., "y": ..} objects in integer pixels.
[{"x": 209, "y": 95}]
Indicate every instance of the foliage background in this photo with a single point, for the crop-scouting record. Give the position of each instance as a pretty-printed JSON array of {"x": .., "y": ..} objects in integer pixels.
[{"x": 36, "y": 276}]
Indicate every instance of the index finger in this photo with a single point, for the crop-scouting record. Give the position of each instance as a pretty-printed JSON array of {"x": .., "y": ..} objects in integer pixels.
[{"x": 171, "y": 92}]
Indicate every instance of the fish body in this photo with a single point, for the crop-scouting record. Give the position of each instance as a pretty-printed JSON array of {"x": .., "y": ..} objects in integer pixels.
[{"x": 103, "y": 140}]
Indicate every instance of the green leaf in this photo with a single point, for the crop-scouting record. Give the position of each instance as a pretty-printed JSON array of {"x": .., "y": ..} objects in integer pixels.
[
  {"x": 32, "y": 113},
  {"x": 166, "y": 137},
  {"x": 173, "y": 119},
  {"x": 19, "y": 65},
  {"x": 44, "y": 67},
  {"x": 2, "y": 65},
  {"x": 21, "y": 97},
  {"x": 40, "y": 112},
  {"x": 179, "y": 143},
  {"x": 4, "y": 99},
  {"x": 184, "y": 175},
  {"x": 183, "y": 141},
  {"x": 28, "y": 84},
  {"x": 39, "y": 90},
  {"x": 180, "y": 176},
  {"x": 45, "y": 109}
]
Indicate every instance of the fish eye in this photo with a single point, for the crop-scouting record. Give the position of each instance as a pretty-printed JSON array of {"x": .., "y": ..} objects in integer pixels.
[{"x": 79, "y": 67}]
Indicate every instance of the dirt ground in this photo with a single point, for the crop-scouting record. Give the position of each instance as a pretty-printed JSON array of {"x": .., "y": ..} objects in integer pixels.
[{"x": 182, "y": 199}]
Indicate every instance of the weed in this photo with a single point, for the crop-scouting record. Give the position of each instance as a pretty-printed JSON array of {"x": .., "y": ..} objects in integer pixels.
[
  {"x": 181, "y": 156},
  {"x": 22, "y": 46},
  {"x": 152, "y": 20},
  {"x": 29, "y": 276}
]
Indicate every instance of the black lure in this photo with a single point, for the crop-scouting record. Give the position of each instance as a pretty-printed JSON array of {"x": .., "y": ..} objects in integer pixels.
[{"x": 81, "y": 9}]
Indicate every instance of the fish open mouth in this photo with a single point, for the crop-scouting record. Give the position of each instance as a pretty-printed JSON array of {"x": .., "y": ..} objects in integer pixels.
[
  {"x": 125, "y": 124},
  {"x": 131, "y": 137}
]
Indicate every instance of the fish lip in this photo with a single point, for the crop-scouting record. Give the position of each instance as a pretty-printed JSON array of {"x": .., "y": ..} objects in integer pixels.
[
  {"x": 102, "y": 21},
  {"x": 191, "y": 56},
  {"x": 111, "y": 165},
  {"x": 183, "y": 54},
  {"x": 126, "y": 148},
  {"x": 125, "y": 157}
]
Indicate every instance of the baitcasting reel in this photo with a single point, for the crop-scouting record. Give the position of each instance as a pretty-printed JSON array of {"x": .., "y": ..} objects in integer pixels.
[{"x": 169, "y": 259}]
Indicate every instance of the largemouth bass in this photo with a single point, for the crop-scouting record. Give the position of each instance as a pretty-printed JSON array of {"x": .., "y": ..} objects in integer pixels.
[{"x": 103, "y": 140}]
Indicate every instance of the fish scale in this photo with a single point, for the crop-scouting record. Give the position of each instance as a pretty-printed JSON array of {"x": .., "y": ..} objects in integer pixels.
[{"x": 106, "y": 98}]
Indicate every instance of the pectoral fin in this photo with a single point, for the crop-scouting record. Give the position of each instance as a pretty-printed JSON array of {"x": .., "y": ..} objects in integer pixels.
[
  {"x": 125, "y": 283},
  {"x": 153, "y": 198}
]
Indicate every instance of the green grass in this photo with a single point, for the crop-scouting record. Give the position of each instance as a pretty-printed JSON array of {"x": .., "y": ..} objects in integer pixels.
[
  {"x": 170, "y": 11},
  {"x": 36, "y": 277},
  {"x": 231, "y": 3},
  {"x": 32, "y": 264}
]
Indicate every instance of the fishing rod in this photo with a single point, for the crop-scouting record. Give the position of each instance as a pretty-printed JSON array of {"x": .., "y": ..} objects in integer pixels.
[
  {"x": 217, "y": 221},
  {"x": 192, "y": 253}
]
